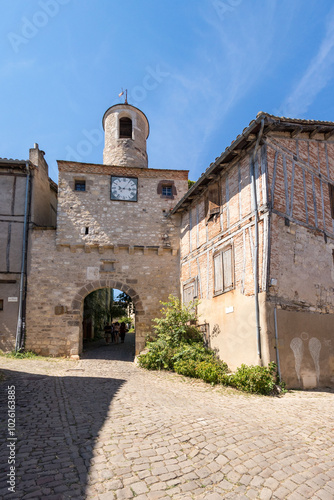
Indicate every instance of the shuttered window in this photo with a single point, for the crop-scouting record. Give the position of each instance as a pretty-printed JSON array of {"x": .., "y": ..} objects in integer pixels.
[
  {"x": 218, "y": 269},
  {"x": 189, "y": 292},
  {"x": 223, "y": 270},
  {"x": 227, "y": 269}
]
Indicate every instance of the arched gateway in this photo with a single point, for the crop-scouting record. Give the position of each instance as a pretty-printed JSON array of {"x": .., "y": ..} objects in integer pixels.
[
  {"x": 113, "y": 230},
  {"x": 78, "y": 304}
]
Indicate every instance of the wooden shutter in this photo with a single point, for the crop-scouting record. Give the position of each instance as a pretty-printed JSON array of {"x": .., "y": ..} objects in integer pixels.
[
  {"x": 218, "y": 273},
  {"x": 228, "y": 271},
  {"x": 188, "y": 293}
]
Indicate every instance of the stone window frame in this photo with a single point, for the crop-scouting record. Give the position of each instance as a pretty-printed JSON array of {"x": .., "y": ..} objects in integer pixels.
[
  {"x": 166, "y": 183},
  {"x": 220, "y": 283}
]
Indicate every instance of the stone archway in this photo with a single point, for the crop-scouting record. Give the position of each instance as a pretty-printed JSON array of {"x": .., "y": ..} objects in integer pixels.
[{"x": 78, "y": 303}]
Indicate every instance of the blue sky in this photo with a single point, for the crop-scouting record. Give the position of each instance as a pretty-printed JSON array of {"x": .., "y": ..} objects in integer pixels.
[{"x": 199, "y": 69}]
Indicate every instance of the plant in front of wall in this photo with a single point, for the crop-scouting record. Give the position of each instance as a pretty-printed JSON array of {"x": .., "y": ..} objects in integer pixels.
[{"x": 255, "y": 379}]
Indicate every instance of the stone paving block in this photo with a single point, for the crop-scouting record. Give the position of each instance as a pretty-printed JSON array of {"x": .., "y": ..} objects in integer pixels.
[
  {"x": 107, "y": 496},
  {"x": 139, "y": 487},
  {"x": 225, "y": 485},
  {"x": 265, "y": 494},
  {"x": 214, "y": 496},
  {"x": 124, "y": 494},
  {"x": 325, "y": 495},
  {"x": 252, "y": 493},
  {"x": 156, "y": 495}
]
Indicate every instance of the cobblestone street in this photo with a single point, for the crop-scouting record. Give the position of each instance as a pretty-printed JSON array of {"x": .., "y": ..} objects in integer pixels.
[{"x": 103, "y": 428}]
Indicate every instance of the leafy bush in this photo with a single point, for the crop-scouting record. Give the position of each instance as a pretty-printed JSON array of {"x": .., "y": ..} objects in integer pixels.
[
  {"x": 210, "y": 371},
  {"x": 179, "y": 347},
  {"x": 254, "y": 379},
  {"x": 186, "y": 367},
  {"x": 158, "y": 357},
  {"x": 196, "y": 352},
  {"x": 174, "y": 326}
]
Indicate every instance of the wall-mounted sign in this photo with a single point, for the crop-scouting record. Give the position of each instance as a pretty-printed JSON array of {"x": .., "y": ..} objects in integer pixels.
[
  {"x": 12, "y": 299},
  {"x": 229, "y": 310}
]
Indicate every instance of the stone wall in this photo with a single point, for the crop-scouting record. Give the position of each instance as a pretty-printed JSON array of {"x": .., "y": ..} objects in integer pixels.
[
  {"x": 129, "y": 152},
  {"x": 60, "y": 277},
  {"x": 111, "y": 222}
]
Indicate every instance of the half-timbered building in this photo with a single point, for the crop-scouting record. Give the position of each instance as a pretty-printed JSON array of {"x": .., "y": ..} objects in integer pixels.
[{"x": 257, "y": 249}]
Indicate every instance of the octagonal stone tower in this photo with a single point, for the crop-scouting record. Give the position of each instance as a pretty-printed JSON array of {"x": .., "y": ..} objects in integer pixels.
[{"x": 126, "y": 129}]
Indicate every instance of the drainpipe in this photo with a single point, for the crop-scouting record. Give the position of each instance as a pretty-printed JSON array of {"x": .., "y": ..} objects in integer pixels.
[
  {"x": 21, "y": 313},
  {"x": 276, "y": 341},
  {"x": 256, "y": 244}
]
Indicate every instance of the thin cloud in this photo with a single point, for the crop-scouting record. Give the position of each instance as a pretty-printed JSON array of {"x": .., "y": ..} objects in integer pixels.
[
  {"x": 11, "y": 68},
  {"x": 317, "y": 76}
]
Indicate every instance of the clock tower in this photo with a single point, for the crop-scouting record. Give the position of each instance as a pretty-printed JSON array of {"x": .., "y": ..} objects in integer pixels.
[
  {"x": 114, "y": 230},
  {"x": 126, "y": 131}
]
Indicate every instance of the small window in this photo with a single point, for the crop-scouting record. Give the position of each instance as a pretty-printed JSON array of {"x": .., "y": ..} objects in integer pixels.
[
  {"x": 1, "y": 304},
  {"x": 331, "y": 198},
  {"x": 167, "y": 191},
  {"x": 223, "y": 271},
  {"x": 125, "y": 128},
  {"x": 80, "y": 185},
  {"x": 212, "y": 201}
]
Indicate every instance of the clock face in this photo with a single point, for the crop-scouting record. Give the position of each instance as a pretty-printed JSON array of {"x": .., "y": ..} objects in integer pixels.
[{"x": 124, "y": 188}]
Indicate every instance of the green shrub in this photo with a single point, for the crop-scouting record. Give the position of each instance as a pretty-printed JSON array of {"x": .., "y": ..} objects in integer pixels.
[
  {"x": 174, "y": 325},
  {"x": 195, "y": 351},
  {"x": 210, "y": 371},
  {"x": 254, "y": 379},
  {"x": 186, "y": 368},
  {"x": 158, "y": 357}
]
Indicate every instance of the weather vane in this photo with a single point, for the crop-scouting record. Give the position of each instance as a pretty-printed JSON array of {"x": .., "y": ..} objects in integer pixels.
[{"x": 126, "y": 95}]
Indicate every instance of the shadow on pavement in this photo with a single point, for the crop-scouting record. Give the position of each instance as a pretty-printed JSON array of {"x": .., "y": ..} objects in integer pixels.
[
  {"x": 57, "y": 422},
  {"x": 114, "y": 352}
]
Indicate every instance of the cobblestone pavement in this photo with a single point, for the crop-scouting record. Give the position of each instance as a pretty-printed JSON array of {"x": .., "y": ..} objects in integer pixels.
[{"x": 103, "y": 428}]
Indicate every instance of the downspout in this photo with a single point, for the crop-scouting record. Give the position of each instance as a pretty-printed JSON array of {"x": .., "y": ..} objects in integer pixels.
[
  {"x": 21, "y": 312},
  {"x": 276, "y": 340},
  {"x": 256, "y": 244}
]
